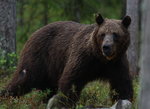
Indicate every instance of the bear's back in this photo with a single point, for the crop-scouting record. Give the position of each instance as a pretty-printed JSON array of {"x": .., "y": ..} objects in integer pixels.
[{"x": 47, "y": 49}]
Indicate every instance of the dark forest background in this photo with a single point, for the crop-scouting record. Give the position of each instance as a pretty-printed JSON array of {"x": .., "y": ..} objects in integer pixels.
[{"x": 33, "y": 14}]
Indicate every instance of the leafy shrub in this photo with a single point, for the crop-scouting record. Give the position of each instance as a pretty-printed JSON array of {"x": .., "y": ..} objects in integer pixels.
[{"x": 7, "y": 61}]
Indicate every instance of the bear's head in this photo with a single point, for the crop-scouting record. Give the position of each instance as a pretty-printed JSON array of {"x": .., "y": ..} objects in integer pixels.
[{"x": 112, "y": 37}]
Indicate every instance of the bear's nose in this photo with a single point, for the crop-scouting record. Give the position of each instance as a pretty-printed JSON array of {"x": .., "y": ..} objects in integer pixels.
[{"x": 107, "y": 50}]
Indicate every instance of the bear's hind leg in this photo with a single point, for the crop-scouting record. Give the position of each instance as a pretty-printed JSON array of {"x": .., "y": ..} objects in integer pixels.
[{"x": 18, "y": 86}]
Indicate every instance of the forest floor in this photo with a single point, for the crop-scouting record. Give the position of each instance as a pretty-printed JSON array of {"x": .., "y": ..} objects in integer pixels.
[{"x": 95, "y": 93}]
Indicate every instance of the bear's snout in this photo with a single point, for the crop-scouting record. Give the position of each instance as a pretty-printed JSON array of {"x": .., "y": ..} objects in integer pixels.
[
  {"x": 108, "y": 47},
  {"x": 107, "y": 50}
]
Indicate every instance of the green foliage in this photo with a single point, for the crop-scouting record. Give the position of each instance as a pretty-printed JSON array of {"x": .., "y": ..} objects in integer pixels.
[
  {"x": 7, "y": 62},
  {"x": 30, "y": 101},
  {"x": 95, "y": 93}
]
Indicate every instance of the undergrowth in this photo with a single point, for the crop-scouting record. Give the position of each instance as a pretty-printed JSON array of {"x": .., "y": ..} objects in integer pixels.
[{"x": 95, "y": 93}]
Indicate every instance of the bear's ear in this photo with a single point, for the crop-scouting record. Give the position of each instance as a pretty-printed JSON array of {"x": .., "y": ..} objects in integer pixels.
[
  {"x": 99, "y": 19},
  {"x": 126, "y": 21}
]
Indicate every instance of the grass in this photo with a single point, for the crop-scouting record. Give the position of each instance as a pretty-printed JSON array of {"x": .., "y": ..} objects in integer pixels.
[{"x": 95, "y": 93}]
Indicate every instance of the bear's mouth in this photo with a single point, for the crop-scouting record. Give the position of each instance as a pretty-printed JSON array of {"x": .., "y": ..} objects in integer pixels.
[{"x": 110, "y": 56}]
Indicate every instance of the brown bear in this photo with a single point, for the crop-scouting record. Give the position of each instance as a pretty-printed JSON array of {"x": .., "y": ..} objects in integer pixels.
[{"x": 65, "y": 56}]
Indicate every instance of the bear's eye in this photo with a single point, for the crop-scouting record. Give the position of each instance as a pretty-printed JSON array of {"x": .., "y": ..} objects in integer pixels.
[
  {"x": 115, "y": 36},
  {"x": 102, "y": 35}
]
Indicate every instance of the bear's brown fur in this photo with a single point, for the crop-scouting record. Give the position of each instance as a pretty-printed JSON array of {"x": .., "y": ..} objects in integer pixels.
[{"x": 64, "y": 54}]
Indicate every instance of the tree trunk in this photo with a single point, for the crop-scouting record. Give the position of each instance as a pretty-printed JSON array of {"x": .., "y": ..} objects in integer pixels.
[
  {"x": 77, "y": 10},
  {"x": 133, "y": 12},
  {"x": 45, "y": 12},
  {"x": 73, "y": 9},
  {"x": 7, "y": 27},
  {"x": 124, "y": 6},
  {"x": 145, "y": 57},
  {"x": 21, "y": 12}
]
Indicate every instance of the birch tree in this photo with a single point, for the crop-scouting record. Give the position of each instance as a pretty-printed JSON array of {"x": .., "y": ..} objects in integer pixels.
[
  {"x": 145, "y": 57},
  {"x": 132, "y": 9}
]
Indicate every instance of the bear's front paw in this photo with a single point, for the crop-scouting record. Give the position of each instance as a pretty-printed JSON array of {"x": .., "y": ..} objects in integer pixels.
[{"x": 56, "y": 103}]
